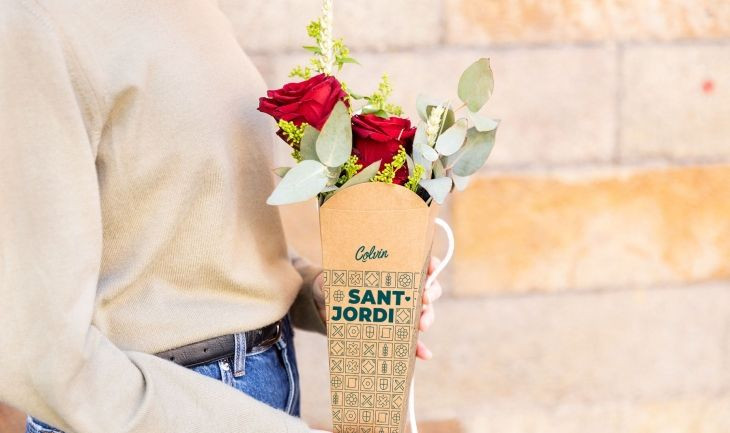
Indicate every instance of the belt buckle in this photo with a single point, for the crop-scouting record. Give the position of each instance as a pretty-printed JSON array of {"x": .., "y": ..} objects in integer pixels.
[{"x": 271, "y": 341}]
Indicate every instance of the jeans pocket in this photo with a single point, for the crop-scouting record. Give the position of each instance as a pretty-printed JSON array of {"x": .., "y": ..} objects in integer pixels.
[{"x": 32, "y": 425}]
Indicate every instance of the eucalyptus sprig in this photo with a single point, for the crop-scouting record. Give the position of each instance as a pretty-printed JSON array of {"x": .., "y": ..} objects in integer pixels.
[{"x": 453, "y": 149}]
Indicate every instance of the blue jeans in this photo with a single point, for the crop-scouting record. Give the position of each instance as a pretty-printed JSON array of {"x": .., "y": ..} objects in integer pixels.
[{"x": 270, "y": 376}]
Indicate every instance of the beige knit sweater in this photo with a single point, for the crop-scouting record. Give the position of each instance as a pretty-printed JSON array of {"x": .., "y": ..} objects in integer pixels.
[{"x": 133, "y": 180}]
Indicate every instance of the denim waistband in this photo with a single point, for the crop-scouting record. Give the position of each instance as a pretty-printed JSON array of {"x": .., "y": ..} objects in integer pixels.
[{"x": 239, "y": 353}]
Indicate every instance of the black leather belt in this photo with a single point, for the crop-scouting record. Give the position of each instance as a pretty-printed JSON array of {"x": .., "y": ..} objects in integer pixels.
[{"x": 217, "y": 348}]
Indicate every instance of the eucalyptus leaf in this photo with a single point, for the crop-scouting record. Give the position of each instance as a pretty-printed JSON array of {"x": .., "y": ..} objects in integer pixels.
[
  {"x": 365, "y": 175},
  {"x": 476, "y": 85},
  {"x": 281, "y": 171},
  {"x": 451, "y": 140},
  {"x": 304, "y": 181},
  {"x": 410, "y": 164},
  {"x": 420, "y": 136},
  {"x": 334, "y": 143},
  {"x": 426, "y": 151},
  {"x": 308, "y": 147},
  {"x": 438, "y": 169},
  {"x": 483, "y": 123},
  {"x": 333, "y": 175},
  {"x": 473, "y": 154},
  {"x": 460, "y": 182},
  {"x": 422, "y": 104},
  {"x": 438, "y": 188},
  {"x": 419, "y": 158}
]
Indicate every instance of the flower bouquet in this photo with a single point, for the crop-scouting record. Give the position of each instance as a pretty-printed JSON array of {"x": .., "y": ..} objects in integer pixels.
[{"x": 379, "y": 181}]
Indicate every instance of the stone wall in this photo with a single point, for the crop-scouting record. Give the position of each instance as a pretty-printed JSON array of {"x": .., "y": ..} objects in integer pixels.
[{"x": 589, "y": 291}]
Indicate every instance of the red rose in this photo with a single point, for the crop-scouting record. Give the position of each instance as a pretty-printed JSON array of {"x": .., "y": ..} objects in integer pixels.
[
  {"x": 375, "y": 138},
  {"x": 309, "y": 101}
]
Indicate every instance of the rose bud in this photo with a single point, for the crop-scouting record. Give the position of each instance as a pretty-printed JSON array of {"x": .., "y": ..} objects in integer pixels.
[{"x": 309, "y": 101}]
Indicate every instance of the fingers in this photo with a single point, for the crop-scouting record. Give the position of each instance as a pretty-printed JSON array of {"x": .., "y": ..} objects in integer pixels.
[
  {"x": 319, "y": 281},
  {"x": 423, "y": 352},
  {"x": 318, "y": 296},
  {"x": 432, "y": 293},
  {"x": 427, "y": 317},
  {"x": 433, "y": 264}
]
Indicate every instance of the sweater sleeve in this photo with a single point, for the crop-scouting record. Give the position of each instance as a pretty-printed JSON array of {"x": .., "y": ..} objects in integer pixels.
[{"x": 55, "y": 364}]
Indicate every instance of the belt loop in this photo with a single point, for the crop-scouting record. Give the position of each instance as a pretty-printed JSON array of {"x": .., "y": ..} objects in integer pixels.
[{"x": 239, "y": 355}]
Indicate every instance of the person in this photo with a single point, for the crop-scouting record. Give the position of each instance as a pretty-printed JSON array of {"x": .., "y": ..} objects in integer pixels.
[{"x": 145, "y": 284}]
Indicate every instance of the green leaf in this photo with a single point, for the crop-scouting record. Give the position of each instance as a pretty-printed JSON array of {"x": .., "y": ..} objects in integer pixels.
[
  {"x": 354, "y": 95},
  {"x": 438, "y": 169},
  {"x": 313, "y": 48},
  {"x": 460, "y": 182},
  {"x": 333, "y": 175},
  {"x": 419, "y": 158},
  {"x": 365, "y": 175},
  {"x": 473, "y": 154},
  {"x": 334, "y": 143},
  {"x": 438, "y": 188},
  {"x": 281, "y": 171},
  {"x": 483, "y": 123},
  {"x": 347, "y": 60},
  {"x": 476, "y": 85},
  {"x": 304, "y": 181},
  {"x": 307, "y": 147},
  {"x": 451, "y": 140},
  {"x": 369, "y": 109},
  {"x": 420, "y": 136},
  {"x": 422, "y": 104},
  {"x": 425, "y": 151},
  {"x": 410, "y": 164}
]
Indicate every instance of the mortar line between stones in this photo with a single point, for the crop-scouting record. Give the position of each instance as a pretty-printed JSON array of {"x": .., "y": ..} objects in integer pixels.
[
  {"x": 505, "y": 46},
  {"x": 721, "y": 392},
  {"x": 604, "y": 290},
  {"x": 641, "y": 163}
]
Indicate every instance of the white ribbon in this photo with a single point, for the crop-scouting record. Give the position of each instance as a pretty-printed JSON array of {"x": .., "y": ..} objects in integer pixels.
[{"x": 447, "y": 258}]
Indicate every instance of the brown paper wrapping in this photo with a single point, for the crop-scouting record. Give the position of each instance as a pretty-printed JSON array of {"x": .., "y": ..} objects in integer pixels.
[{"x": 376, "y": 239}]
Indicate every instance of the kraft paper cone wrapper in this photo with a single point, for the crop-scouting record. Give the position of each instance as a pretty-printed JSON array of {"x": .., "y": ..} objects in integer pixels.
[{"x": 376, "y": 239}]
